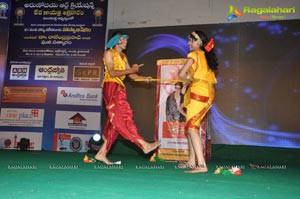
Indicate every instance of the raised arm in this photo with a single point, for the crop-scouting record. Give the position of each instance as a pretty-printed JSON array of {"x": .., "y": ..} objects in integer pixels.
[
  {"x": 135, "y": 76},
  {"x": 109, "y": 60}
]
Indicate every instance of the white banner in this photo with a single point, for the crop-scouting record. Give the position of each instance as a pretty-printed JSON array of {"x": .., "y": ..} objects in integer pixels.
[
  {"x": 79, "y": 96},
  {"x": 22, "y": 117},
  {"x": 19, "y": 72},
  {"x": 71, "y": 142},
  {"x": 10, "y": 139},
  {"x": 77, "y": 120},
  {"x": 51, "y": 72}
]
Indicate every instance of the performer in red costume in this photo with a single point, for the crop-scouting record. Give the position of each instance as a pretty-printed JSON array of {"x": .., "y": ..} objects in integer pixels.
[{"x": 114, "y": 93}]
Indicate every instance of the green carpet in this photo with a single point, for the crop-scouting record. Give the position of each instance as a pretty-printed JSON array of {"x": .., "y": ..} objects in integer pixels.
[{"x": 62, "y": 175}]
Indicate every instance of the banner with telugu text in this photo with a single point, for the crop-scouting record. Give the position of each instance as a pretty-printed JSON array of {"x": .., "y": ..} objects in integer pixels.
[
  {"x": 5, "y": 6},
  {"x": 54, "y": 68}
]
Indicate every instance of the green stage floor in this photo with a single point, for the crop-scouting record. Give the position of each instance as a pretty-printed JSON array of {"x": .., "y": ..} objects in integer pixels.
[{"x": 63, "y": 175}]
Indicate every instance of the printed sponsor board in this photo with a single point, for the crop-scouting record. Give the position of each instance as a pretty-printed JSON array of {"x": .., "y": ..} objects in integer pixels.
[
  {"x": 10, "y": 139},
  {"x": 86, "y": 73},
  {"x": 19, "y": 72},
  {"x": 51, "y": 72},
  {"x": 24, "y": 94},
  {"x": 79, "y": 96},
  {"x": 71, "y": 142},
  {"x": 77, "y": 120},
  {"x": 22, "y": 117}
]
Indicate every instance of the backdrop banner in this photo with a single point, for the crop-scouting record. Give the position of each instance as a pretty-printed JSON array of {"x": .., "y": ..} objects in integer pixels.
[
  {"x": 5, "y": 7},
  {"x": 170, "y": 116},
  {"x": 53, "y": 72}
]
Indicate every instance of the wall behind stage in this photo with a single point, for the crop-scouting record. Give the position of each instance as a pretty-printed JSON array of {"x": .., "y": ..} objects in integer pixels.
[
  {"x": 54, "y": 70},
  {"x": 145, "y": 13},
  {"x": 258, "y": 89}
]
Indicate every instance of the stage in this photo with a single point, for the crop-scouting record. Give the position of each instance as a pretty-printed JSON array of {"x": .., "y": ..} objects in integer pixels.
[{"x": 45, "y": 174}]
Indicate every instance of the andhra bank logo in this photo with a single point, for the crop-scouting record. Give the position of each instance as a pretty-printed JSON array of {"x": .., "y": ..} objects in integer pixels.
[{"x": 269, "y": 12}]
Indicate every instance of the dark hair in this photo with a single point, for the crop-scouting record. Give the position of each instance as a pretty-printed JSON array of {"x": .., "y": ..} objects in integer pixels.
[
  {"x": 179, "y": 84},
  {"x": 211, "y": 57}
]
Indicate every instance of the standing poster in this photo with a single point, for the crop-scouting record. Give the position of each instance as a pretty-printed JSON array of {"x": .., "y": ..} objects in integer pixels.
[
  {"x": 170, "y": 114},
  {"x": 54, "y": 64}
]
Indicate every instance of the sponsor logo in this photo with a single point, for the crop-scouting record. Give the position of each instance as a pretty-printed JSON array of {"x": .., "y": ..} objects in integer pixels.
[
  {"x": 79, "y": 96},
  {"x": 77, "y": 120},
  {"x": 71, "y": 142},
  {"x": 76, "y": 144},
  {"x": 24, "y": 94},
  {"x": 86, "y": 73},
  {"x": 51, "y": 72},
  {"x": 7, "y": 143},
  {"x": 22, "y": 117},
  {"x": 19, "y": 72}
]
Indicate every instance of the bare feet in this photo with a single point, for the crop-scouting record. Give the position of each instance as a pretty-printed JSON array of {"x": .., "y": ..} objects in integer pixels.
[
  {"x": 103, "y": 158},
  {"x": 148, "y": 147},
  {"x": 197, "y": 170}
]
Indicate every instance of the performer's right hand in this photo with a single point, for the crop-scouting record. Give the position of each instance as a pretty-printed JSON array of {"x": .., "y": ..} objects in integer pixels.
[{"x": 136, "y": 67}]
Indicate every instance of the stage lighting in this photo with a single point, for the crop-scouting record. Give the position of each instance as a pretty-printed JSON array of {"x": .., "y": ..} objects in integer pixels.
[
  {"x": 24, "y": 144},
  {"x": 95, "y": 143},
  {"x": 96, "y": 137}
]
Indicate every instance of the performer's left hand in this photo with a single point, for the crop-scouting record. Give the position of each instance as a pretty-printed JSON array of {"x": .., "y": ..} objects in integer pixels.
[{"x": 186, "y": 83}]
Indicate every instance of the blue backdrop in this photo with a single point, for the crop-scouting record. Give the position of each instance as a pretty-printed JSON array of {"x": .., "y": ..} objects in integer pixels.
[{"x": 55, "y": 44}]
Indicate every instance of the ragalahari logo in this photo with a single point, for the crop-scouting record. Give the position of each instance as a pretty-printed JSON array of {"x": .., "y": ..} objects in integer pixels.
[{"x": 233, "y": 13}]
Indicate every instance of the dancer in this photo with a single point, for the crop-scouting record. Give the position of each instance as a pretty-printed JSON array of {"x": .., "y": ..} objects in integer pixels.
[
  {"x": 114, "y": 93},
  {"x": 199, "y": 73}
]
